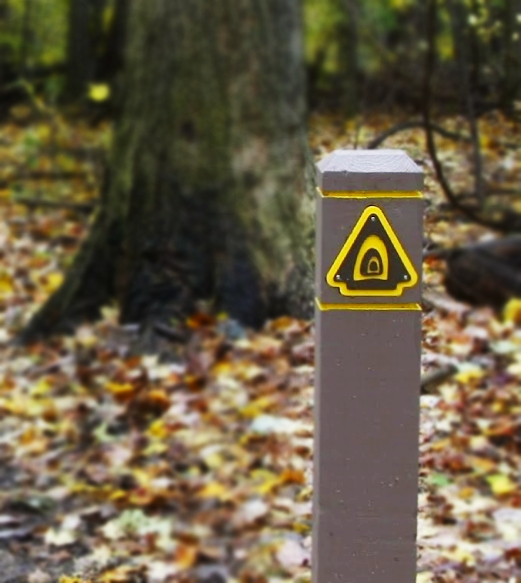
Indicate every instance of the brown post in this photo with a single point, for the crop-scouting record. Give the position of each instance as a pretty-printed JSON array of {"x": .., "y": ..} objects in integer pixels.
[{"x": 369, "y": 256}]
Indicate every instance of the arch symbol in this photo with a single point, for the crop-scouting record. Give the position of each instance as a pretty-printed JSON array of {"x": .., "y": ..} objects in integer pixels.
[{"x": 372, "y": 261}]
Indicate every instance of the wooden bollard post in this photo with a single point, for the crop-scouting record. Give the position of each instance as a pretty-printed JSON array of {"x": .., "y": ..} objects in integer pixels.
[{"x": 368, "y": 328}]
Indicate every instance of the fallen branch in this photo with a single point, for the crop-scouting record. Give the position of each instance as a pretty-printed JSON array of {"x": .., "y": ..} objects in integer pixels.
[
  {"x": 436, "y": 253},
  {"x": 409, "y": 125},
  {"x": 435, "y": 378},
  {"x": 169, "y": 333},
  {"x": 437, "y": 129}
]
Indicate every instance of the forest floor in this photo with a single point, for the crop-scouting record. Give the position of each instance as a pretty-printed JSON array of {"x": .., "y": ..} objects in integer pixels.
[{"x": 116, "y": 468}]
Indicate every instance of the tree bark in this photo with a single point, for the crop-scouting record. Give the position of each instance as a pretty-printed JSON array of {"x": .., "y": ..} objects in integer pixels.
[
  {"x": 79, "y": 51},
  {"x": 512, "y": 54},
  {"x": 26, "y": 36},
  {"x": 486, "y": 273},
  {"x": 207, "y": 196},
  {"x": 348, "y": 55},
  {"x": 85, "y": 41},
  {"x": 111, "y": 61}
]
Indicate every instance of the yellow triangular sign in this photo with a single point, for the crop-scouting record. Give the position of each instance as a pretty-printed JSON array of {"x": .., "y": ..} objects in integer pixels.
[{"x": 372, "y": 261}]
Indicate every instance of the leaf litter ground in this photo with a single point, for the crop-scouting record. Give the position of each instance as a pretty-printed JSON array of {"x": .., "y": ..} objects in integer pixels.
[{"x": 117, "y": 468}]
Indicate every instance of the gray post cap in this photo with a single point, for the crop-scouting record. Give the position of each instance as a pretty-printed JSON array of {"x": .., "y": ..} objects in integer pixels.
[{"x": 368, "y": 170}]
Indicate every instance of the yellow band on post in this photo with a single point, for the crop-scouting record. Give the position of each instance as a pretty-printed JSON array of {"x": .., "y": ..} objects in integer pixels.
[
  {"x": 368, "y": 307},
  {"x": 363, "y": 194}
]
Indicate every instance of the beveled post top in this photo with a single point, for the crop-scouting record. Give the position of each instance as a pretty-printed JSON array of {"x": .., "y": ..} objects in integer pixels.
[{"x": 368, "y": 170}]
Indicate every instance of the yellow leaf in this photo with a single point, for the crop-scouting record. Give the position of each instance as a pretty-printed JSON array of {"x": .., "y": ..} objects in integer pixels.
[
  {"x": 119, "y": 575},
  {"x": 462, "y": 555},
  {"x": 257, "y": 407},
  {"x": 121, "y": 391},
  {"x": 267, "y": 346},
  {"x": 248, "y": 371},
  {"x": 186, "y": 555},
  {"x": 86, "y": 337},
  {"x": 291, "y": 476},
  {"x": 478, "y": 442},
  {"x": 157, "y": 399},
  {"x": 501, "y": 484},
  {"x": 440, "y": 445},
  {"x": 215, "y": 490},
  {"x": 52, "y": 281},
  {"x": 99, "y": 92},
  {"x": 6, "y": 285},
  {"x": 155, "y": 448},
  {"x": 400, "y": 4},
  {"x": 305, "y": 494},
  {"x": 118, "y": 495},
  {"x": 28, "y": 436},
  {"x": 301, "y": 527},
  {"x": 269, "y": 485},
  {"x": 469, "y": 373},
  {"x": 15, "y": 406},
  {"x": 512, "y": 311},
  {"x": 214, "y": 460},
  {"x": 514, "y": 369},
  {"x": 158, "y": 429},
  {"x": 482, "y": 464},
  {"x": 42, "y": 387},
  {"x": 222, "y": 368},
  {"x": 466, "y": 493}
]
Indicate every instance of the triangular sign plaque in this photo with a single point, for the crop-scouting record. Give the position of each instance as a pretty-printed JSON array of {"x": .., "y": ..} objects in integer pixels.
[{"x": 372, "y": 261}]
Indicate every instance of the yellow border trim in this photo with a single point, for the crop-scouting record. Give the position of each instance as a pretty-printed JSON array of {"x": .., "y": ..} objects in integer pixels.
[
  {"x": 368, "y": 307},
  {"x": 363, "y": 194},
  {"x": 337, "y": 263}
]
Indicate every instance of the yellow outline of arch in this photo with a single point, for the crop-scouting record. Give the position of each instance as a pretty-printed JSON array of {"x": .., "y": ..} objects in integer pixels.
[
  {"x": 372, "y": 242},
  {"x": 342, "y": 286}
]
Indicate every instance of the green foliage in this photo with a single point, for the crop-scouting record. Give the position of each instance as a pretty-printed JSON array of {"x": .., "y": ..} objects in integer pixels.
[
  {"x": 34, "y": 31},
  {"x": 49, "y": 29},
  {"x": 391, "y": 45},
  {"x": 34, "y": 36},
  {"x": 376, "y": 21}
]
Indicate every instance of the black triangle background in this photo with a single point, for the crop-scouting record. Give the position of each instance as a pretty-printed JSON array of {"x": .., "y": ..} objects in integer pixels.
[{"x": 398, "y": 272}]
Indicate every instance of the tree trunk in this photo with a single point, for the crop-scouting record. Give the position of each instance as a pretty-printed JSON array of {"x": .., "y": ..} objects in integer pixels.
[
  {"x": 348, "y": 55},
  {"x": 111, "y": 61},
  {"x": 26, "y": 37},
  {"x": 80, "y": 66},
  {"x": 486, "y": 274},
  {"x": 512, "y": 54},
  {"x": 207, "y": 196},
  {"x": 85, "y": 43}
]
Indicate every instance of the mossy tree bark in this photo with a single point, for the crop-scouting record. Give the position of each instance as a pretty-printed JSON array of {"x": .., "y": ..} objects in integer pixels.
[
  {"x": 207, "y": 195},
  {"x": 85, "y": 20},
  {"x": 347, "y": 30},
  {"x": 112, "y": 58},
  {"x": 511, "y": 88}
]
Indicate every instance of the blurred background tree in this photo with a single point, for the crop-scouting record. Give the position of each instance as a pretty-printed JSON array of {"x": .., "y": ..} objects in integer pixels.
[
  {"x": 205, "y": 197},
  {"x": 416, "y": 60},
  {"x": 359, "y": 55},
  {"x": 379, "y": 47}
]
